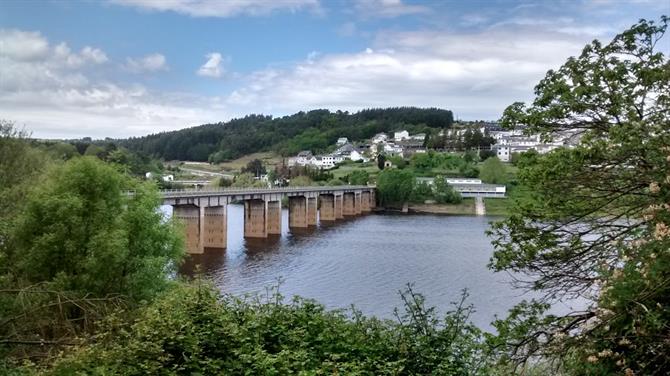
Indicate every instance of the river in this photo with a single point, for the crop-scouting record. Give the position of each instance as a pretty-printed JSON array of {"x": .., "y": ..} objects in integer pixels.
[{"x": 365, "y": 261}]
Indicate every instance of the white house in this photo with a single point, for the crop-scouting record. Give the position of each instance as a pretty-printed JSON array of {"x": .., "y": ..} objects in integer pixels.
[
  {"x": 503, "y": 152},
  {"x": 402, "y": 135},
  {"x": 342, "y": 141},
  {"x": 304, "y": 157},
  {"x": 418, "y": 137},
  {"x": 393, "y": 149},
  {"x": 379, "y": 137},
  {"x": 168, "y": 178},
  {"x": 348, "y": 151}
]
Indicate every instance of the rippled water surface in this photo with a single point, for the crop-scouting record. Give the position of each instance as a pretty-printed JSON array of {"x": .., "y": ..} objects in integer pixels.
[{"x": 365, "y": 261}]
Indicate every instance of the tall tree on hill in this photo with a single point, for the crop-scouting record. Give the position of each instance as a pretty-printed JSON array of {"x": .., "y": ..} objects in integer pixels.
[
  {"x": 255, "y": 167},
  {"x": 381, "y": 161},
  {"x": 597, "y": 224}
]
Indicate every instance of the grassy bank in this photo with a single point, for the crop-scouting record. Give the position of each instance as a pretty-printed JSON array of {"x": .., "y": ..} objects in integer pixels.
[
  {"x": 497, "y": 206},
  {"x": 467, "y": 207}
]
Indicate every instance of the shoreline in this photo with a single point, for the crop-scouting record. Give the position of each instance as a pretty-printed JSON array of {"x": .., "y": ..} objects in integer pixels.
[{"x": 465, "y": 208}]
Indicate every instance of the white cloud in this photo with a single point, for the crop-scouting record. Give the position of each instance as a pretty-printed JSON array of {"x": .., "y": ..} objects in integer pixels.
[
  {"x": 22, "y": 45},
  {"x": 87, "y": 55},
  {"x": 94, "y": 55},
  {"x": 388, "y": 8},
  {"x": 221, "y": 8},
  {"x": 213, "y": 67},
  {"x": 149, "y": 63},
  {"x": 48, "y": 89},
  {"x": 477, "y": 75}
]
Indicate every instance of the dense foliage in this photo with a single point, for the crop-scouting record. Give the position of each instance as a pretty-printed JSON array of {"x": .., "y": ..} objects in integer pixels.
[
  {"x": 195, "y": 330},
  {"x": 493, "y": 171},
  {"x": 77, "y": 249},
  {"x": 80, "y": 232},
  {"x": 394, "y": 187},
  {"x": 455, "y": 165},
  {"x": 597, "y": 224},
  {"x": 288, "y": 135}
]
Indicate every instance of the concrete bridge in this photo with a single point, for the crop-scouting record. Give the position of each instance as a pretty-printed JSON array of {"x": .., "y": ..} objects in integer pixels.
[{"x": 204, "y": 211}]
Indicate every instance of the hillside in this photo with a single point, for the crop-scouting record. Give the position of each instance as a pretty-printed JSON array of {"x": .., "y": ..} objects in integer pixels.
[{"x": 313, "y": 130}]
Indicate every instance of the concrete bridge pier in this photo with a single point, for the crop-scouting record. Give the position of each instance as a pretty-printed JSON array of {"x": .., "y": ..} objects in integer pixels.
[
  {"x": 189, "y": 215},
  {"x": 339, "y": 206},
  {"x": 297, "y": 211},
  {"x": 327, "y": 207},
  {"x": 357, "y": 203},
  {"x": 274, "y": 217},
  {"x": 365, "y": 201},
  {"x": 312, "y": 210},
  {"x": 349, "y": 204},
  {"x": 255, "y": 219},
  {"x": 214, "y": 226},
  {"x": 373, "y": 199}
]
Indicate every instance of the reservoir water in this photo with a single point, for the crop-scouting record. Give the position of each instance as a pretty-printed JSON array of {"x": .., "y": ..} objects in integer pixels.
[{"x": 365, "y": 261}]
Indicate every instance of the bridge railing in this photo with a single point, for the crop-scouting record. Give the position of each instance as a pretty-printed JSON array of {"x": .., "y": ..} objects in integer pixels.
[{"x": 230, "y": 190}]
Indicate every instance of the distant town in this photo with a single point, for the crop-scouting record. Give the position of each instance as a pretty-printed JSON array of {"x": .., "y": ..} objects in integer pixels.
[{"x": 504, "y": 143}]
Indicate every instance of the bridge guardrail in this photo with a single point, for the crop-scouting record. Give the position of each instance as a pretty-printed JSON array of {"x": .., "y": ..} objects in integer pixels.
[{"x": 227, "y": 190}]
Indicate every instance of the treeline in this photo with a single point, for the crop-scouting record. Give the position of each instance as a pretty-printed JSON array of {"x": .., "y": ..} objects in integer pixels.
[{"x": 314, "y": 130}]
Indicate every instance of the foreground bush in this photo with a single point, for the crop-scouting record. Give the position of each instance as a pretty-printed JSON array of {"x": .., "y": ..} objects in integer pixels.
[{"x": 195, "y": 330}]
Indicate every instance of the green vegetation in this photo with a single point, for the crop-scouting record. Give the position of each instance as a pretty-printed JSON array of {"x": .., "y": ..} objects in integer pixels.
[
  {"x": 596, "y": 223},
  {"x": 394, "y": 187},
  {"x": 493, "y": 171},
  {"x": 472, "y": 139},
  {"x": 358, "y": 177},
  {"x": 80, "y": 233},
  {"x": 246, "y": 180},
  {"x": 314, "y": 130},
  {"x": 84, "y": 267},
  {"x": 301, "y": 181},
  {"x": 194, "y": 330},
  {"x": 344, "y": 170},
  {"x": 75, "y": 248}
]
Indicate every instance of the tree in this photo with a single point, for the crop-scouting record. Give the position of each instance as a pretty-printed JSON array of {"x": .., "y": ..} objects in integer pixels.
[
  {"x": 381, "y": 161},
  {"x": 485, "y": 154},
  {"x": 301, "y": 181},
  {"x": 247, "y": 180},
  {"x": 358, "y": 177},
  {"x": 445, "y": 193},
  {"x": 95, "y": 150},
  {"x": 422, "y": 191},
  {"x": 255, "y": 167},
  {"x": 394, "y": 186},
  {"x": 596, "y": 225},
  {"x": 493, "y": 171},
  {"x": 79, "y": 232},
  {"x": 20, "y": 164}
]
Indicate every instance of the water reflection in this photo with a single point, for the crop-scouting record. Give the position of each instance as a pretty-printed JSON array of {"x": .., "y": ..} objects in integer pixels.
[{"x": 365, "y": 261}]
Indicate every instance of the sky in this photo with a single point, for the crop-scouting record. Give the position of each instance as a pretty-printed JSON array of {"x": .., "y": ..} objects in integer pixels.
[{"x": 122, "y": 68}]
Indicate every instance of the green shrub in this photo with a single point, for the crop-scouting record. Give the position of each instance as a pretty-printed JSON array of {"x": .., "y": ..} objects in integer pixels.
[{"x": 195, "y": 330}]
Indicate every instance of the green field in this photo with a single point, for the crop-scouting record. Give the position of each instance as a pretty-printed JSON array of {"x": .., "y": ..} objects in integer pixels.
[
  {"x": 497, "y": 206},
  {"x": 346, "y": 169},
  {"x": 269, "y": 159}
]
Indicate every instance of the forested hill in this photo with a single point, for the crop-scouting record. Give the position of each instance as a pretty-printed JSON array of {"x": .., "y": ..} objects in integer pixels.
[{"x": 314, "y": 130}]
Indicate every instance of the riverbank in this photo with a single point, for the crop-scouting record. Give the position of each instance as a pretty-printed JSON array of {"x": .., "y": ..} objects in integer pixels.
[
  {"x": 492, "y": 206},
  {"x": 466, "y": 207}
]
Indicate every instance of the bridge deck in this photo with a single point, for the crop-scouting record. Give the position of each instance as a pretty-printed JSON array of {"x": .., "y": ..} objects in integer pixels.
[{"x": 205, "y": 192}]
